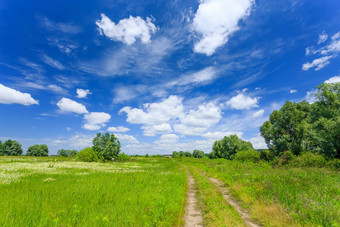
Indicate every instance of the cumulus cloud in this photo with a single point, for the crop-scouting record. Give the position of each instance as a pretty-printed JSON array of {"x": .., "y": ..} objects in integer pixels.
[
  {"x": 69, "y": 106},
  {"x": 325, "y": 53},
  {"x": 258, "y": 142},
  {"x": 258, "y": 113},
  {"x": 127, "y": 30},
  {"x": 220, "y": 135},
  {"x": 118, "y": 129},
  {"x": 152, "y": 130},
  {"x": 123, "y": 138},
  {"x": 310, "y": 96},
  {"x": 12, "y": 96},
  {"x": 216, "y": 20},
  {"x": 96, "y": 120},
  {"x": 243, "y": 102},
  {"x": 334, "y": 79},
  {"x": 197, "y": 121},
  {"x": 155, "y": 113},
  {"x": 51, "y": 62},
  {"x": 81, "y": 93},
  {"x": 167, "y": 139},
  {"x": 76, "y": 141}
]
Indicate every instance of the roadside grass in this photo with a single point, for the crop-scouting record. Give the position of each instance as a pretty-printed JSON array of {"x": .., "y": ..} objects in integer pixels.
[
  {"x": 215, "y": 210},
  {"x": 279, "y": 196},
  {"x": 51, "y": 193}
]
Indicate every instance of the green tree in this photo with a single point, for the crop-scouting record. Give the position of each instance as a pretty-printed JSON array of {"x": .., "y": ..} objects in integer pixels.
[
  {"x": 1, "y": 148},
  {"x": 87, "y": 155},
  {"x": 198, "y": 154},
  {"x": 37, "y": 150},
  {"x": 11, "y": 148},
  {"x": 175, "y": 154},
  {"x": 229, "y": 146},
  {"x": 62, "y": 152},
  {"x": 187, "y": 154},
  {"x": 73, "y": 153},
  {"x": 181, "y": 153},
  {"x": 106, "y": 146}
]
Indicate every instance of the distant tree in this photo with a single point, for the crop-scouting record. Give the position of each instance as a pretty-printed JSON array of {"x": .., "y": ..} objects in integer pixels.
[
  {"x": 73, "y": 153},
  {"x": 1, "y": 148},
  {"x": 229, "y": 146},
  {"x": 198, "y": 154},
  {"x": 11, "y": 148},
  {"x": 175, "y": 154},
  {"x": 63, "y": 153},
  {"x": 106, "y": 146},
  {"x": 147, "y": 155},
  {"x": 187, "y": 154},
  {"x": 37, "y": 150},
  {"x": 181, "y": 153}
]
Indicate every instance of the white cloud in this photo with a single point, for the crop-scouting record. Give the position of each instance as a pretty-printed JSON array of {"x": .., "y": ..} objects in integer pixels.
[
  {"x": 243, "y": 101},
  {"x": 155, "y": 113},
  {"x": 81, "y": 93},
  {"x": 258, "y": 142},
  {"x": 56, "y": 89},
  {"x": 62, "y": 27},
  {"x": 258, "y": 113},
  {"x": 322, "y": 38},
  {"x": 51, "y": 62},
  {"x": 70, "y": 106},
  {"x": 318, "y": 63},
  {"x": 216, "y": 20},
  {"x": 96, "y": 120},
  {"x": 196, "y": 122},
  {"x": 77, "y": 141},
  {"x": 291, "y": 91},
  {"x": 11, "y": 96},
  {"x": 334, "y": 79},
  {"x": 213, "y": 136},
  {"x": 118, "y": 129},
  {"x": 126, "y": 138},
  {"x": 327, "y": 52},
  {"x": 123, "y": 94},
  {"x": 310, "y": 96},
  {"x": 203, "y": 76},
  {"x": 167, "y": 139},
  {"x": 152, "y": 130},
  {"x": 127, "y": 30}
]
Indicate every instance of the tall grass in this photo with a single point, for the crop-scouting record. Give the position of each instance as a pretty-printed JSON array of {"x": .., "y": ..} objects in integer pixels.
[
  {"x": 142, "y": 193},
  {"x": 280, "y": 196}
]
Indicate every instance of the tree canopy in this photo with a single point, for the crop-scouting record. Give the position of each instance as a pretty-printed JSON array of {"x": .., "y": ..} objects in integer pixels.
[
  {"x": 198, "y": 154},
  {"x": 37, "y": 150},
  {"x": 10, "y": 147},
  {"x": 229, "y": 146},
  {"x": 306, "y": 127},
  {"x": 106, "y": 146}
]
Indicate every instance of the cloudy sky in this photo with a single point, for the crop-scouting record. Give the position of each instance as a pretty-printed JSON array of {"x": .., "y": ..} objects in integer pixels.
[{"x": 161, "y": 75}]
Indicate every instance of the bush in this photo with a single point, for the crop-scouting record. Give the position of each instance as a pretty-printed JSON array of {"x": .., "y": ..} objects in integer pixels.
[
  {"x": 198, "y": 154},
  {"x": 66, "y": 153},
  {"x": 334, "y": 164},
  {"x": 266, "y": 155},
  {"x": 286, "y": 158},
  {"x": 175, "y": 154},
  {"x": 123, "y": 158},
  {"x": 87, "y": 155},
  {"x": 309, "y": 159},
  {"x": 247, "y": 156}
]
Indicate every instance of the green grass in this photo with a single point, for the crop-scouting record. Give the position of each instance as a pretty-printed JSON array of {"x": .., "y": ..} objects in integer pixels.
[
  {"x": 50, "y": 192},
  {"x": 215, "y": 210},
  {"x": 280, "y": 196}
]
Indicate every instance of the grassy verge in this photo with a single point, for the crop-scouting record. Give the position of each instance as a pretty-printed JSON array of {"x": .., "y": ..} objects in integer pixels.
[
  {"x": 215, "y": 210},
  {"x": 142, "y": 193},
  {"x": 280, "y": 196}
]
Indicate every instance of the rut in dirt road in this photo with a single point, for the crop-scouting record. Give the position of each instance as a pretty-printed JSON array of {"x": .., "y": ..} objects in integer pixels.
[
  {"x": 245, "y": 216},
  {"x": 193, "y": 217}
]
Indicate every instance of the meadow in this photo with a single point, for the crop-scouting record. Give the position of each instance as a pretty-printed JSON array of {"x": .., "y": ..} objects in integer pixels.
[
  {"x": 63, "y": 191},
  {"x": 49, "y": 191}
]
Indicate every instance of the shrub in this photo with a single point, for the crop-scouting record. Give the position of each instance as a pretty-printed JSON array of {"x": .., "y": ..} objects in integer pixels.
[
  {"x": 334, "y": 164},
  {"x": 266, "y": 155},
  {"x": 66, "y": 153},
  {"x": 123, "y": 158},
  {"x": 198, "y": 154},
  {"x": 175, "y": 154},
  {"x": 87, "y": 155},
  {"x": 248, "y": 156},
  {"x": 309, "y": 159},
  {"x": 286, "y": 158}
]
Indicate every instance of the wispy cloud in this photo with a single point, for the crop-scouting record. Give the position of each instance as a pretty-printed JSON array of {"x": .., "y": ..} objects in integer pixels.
[{"x": 68, "y": 28}]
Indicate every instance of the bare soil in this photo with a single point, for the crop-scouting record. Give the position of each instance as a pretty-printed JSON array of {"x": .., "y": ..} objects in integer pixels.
[{"x": 193, "y": 216}]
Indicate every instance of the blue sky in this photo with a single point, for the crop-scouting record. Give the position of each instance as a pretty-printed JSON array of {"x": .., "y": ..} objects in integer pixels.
[{"x": 161, "y": 75}]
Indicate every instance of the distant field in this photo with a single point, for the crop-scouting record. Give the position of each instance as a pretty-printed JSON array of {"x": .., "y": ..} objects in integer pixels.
[
  {"x": 63, "y": 192},
  {"x": 279, "y": 196}
]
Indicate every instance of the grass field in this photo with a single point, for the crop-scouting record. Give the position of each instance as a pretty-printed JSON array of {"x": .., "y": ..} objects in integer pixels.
[
  {"x": 63, "y": 192},
  {"x": 279, "y": 196},
  {"x": 56, "y": 191}
]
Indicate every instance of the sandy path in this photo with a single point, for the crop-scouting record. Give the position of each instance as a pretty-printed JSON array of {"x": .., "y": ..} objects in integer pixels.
[
  {"x": 193, "y": 216},
  {"x": 245, "y": 216}
]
